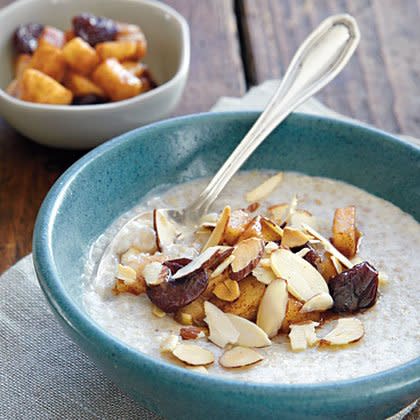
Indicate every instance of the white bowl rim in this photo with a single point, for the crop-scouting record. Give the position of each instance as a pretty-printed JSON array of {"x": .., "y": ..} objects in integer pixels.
[{"x": 182, "y": 68}]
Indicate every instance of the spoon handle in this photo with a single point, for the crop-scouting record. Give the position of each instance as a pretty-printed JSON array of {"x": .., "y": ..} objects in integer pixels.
[{"x": 318, "y": 60}]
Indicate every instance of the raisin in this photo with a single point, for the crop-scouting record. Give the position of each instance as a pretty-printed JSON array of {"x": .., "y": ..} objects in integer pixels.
[
  {"x": 175, "y": 265},
  {"x": 355, "y": 288},
  {"x": 90, "y": 99},
  {"x": 174, "y": 294},
  {"x": 26, "y": 37},
  {"x": 94, "y": 29}
]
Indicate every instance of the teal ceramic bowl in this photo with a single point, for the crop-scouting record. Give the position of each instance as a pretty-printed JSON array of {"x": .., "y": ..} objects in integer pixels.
[{"x": 112, "y": 178}]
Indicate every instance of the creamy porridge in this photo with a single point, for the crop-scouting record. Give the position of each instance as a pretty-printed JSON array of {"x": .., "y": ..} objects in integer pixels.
[{"x": 323, "y": 334}]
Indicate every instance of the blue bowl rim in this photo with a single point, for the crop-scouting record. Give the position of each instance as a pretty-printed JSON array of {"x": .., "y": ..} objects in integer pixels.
[{"x": 80, "y": 322}]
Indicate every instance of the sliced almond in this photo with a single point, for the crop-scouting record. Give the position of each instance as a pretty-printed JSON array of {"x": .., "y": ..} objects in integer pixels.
[
  {"x": 263, "y": 274},
  {"x": 265, "y": 189},
  {"x": 265, "y": 262},
  {"x": 166, "y": 231},
  {"x": 270, "y": 231},
  {"x": 157, "y": 312},
  {"x": 131, "y": 258},
  {"x": 383, "y": 278},
  {"x": 347, "y": 330},
  {"x": 303, "y": 280},
  {"x": 218, "y": 231},
  {"x": 198, "y": 369},
  {"x": 272, "y": 309},
  {"x": 222, "y": 266},
  {"x": 222, "y": 331},
  {"x": 302, "y": 252},
  {"x": 320, "y": 302},
  {"x": 250, "y": 334},
  {"x": 238, "y": 222},
  {"x": 337, "y": 265},
  {"x": 191, "y": 333},
  {"x": 293, "y": 237},
  {"x": 302, "y": 216},
  {"x": 155, "y": 273},
  {"x": 227, "y": 290},
  {"x": 303, "y": 335},
  {"x": 169, "y": 344},
  {"x": 291, "y": 209},
  {"x": 193, "y": 355},
  {"x": 328, "y": 246},
  {"x": 270, "y": 247},
  {"x": 279, "y": 212},
  {"x": 183, "y": 318},
  {"x": 247, "y": 255},
  {"x": 239, "y": 357},
  {"x": 252, "y": 230},
  {"x": 126, "y": 273}
]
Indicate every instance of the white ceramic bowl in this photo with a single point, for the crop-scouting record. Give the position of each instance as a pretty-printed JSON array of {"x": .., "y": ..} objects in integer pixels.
[{"x": 82, "y": 127}]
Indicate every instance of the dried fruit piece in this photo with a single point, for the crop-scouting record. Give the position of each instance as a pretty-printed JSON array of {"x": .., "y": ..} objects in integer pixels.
[
  {"x": 321, "y": 260},
  {"x": 227, "y": 290},
  {"x": 265, "y": 189},
  {"x": 270, "y": 231},
  {"x": 195, "y": 310},
  {"x": 346, "y": 331},
  {"x": 218, "y": 232},
  {"x": 303, "y": 280},
  {"x": 272, "y": 309},
  {"x": 222, "y": 266},
  {"x": 176, "y": 264},
  {"x": 238, "y": 222},
  {"x": 320, "y": 302},
  {"x": 263, "y": 274},
  {"x": 295, "y": 316},
  {"x": 239, "y": 357},
  {"x": 293, "y": 237},
  {"x": 345, "y": 234},
  {"x": 247, "y": 255},
  {"x": 174, "y": 294},
  {"x": 198, "y": 369},
  {"x": 183, "y": 318},
  {"x": 155, "y": 273},
  {"x": 90, "y": 99},
  {"x": 250, "y": 334},
  {"x": 222, "y": 331},
  {"x": 169, "y": 344},
  {"x": 26, "y": 37},
  {"x": 191, "y": 333},
  {"x": 354, "y": 289},
  {"x": 253, "y": 207},
  {"x": 94, "y": 29},
  {"x": 166, "y": 231},
  {"x": 302, "y": 335},
  {"x": 193, "y": 354}
]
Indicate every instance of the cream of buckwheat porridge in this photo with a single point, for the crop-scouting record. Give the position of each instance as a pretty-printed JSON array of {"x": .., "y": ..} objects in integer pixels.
[{"x": 290, "y": 279}]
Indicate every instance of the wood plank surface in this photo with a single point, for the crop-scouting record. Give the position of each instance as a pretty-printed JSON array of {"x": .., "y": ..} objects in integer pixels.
[
  {"x": 28, "y": 170},
  {"x": 381, "y": 83}
]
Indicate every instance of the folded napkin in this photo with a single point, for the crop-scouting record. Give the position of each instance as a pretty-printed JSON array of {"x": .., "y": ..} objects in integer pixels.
[{"x": 43, "y": 374}]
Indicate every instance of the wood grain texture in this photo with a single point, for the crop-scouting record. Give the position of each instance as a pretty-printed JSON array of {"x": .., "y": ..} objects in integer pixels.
[{"x": 381, "y": 83}]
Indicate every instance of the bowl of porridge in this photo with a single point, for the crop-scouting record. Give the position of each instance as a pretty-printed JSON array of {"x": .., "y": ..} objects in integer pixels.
[{"x": 295, "y": 294}]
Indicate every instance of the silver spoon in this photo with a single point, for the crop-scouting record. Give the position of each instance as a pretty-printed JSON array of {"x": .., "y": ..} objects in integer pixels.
[{"x": 318, "y": 60}]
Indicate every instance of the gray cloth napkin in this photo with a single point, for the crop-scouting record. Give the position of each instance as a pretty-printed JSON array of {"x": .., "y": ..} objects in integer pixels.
[{"x": 43, "y": 374}]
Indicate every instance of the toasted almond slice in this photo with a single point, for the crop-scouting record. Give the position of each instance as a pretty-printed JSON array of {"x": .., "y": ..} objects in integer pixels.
[
  {"x": 320, "y": 302},
  {"x": 238, "y": 222},
  {"x": 198, "y": 369},
  {"x": 303, "y": 280},
  {"x": 205, "y": 259},
  {"x": 270, "y": 231},
  {"x": 222, "y": 266},
  {"x": 265, "y": 262},
  {"x": 218, "y": 231},
  {"x": 126, "y": 273},
  {"x": 302, "y": 335},
  {"x": 347, "y": 330},
  {"x": 328, "y": 246},
  {"x": 222, "y": 331},
  {"x": 247, "y": 255},
  {"x": 155, "y": 273},
  {"x": 302, "y": 252},
  {"x": 383, "y": 278},
  {"x": 302, "y": 216},
  {"x": 169, "y": 344},
  {"x": 272, "y": 309},
  {"x": 227, "y": 290},
  {"x": 337, "y": 265},
  {"x": 191, "y": 333},
  {"x": 270, "y": 247},
  {"x": 279, "y": 212},
  {"x": 166, "y": 231},
  {"x": 265, "y": 189},
  {"x": 263, "y": 274},
  {"x": 250, "y": 334},
  {"x": 252, "y": 230},
  {"x": 157, "y": 312},
  {"x": 239, "y": 357},
  {"x": 293, "y": 237},
  {"x": 291, "y": 209},
  {"x": 193, "y": 355}
]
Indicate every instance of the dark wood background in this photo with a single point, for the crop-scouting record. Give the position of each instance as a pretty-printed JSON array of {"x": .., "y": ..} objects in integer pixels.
[{"x": 237, "y": 44}]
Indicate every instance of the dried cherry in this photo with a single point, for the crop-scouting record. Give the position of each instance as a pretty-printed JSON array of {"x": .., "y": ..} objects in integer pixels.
[
  {"x": 174, "y": 294},
  {"x": 94, "y": 29},
  {"x": 90, "y": 99},
  {"x": 26, "y": 37},
  {"x": 355, "y": 288}
]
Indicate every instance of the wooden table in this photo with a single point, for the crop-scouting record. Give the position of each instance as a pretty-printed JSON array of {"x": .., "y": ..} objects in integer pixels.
[{"x": 237, "y": 44}]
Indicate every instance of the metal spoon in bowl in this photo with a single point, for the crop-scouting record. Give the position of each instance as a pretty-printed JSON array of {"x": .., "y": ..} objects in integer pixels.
[{"x": 318, "y": 60}]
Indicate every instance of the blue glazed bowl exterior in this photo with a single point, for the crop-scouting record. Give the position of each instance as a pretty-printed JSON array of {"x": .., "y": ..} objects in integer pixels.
[{"x": 112, "y": 178}]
